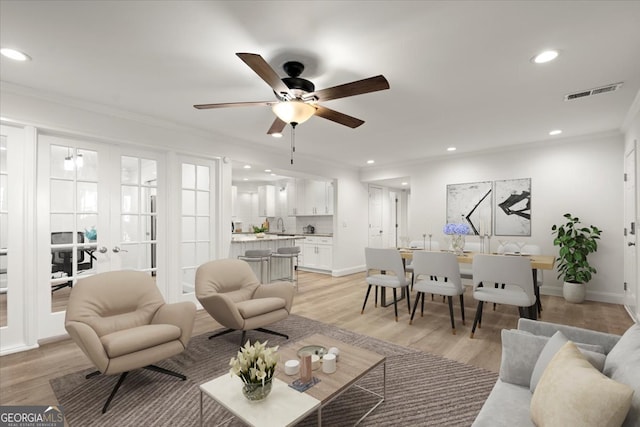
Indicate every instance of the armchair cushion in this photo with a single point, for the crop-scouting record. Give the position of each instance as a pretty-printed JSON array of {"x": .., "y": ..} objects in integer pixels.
[
  {"x": 256, "y": 307},
  {"x": 139, "y": 338},
  {"x": 572, "y": 392}
]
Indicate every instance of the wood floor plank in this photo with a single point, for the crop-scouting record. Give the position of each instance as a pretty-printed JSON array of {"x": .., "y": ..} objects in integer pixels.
[{"x": 24, "y": 377}]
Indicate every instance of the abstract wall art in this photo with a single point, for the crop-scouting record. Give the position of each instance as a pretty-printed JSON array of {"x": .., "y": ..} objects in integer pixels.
[
  {"x": 512, "y": 207},
  {"x": 470, "y": 203}
]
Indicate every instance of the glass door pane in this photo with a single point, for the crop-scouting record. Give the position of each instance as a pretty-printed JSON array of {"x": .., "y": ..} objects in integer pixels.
[
  {"x": 137, "y": 249},
  {"x": 73, "y": 218},
  {"x": 196, "y": 217},
  {"x": 4, "y": 230}
]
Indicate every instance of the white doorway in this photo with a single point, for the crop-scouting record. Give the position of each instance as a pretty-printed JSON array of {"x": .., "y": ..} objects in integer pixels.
[
  {"x": 376, "y": 228},
  {"x": 630, "y": 233}
]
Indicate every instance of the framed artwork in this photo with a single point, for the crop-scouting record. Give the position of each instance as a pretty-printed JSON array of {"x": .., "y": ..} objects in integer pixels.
[
  {"x": 512, "y": 207},
  {"x": 470, "y": 204}
]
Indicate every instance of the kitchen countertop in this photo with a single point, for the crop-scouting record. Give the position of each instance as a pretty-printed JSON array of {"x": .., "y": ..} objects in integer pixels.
[
  {"x": 300, "y": 234},
  {"x": 243, "y": 238}
]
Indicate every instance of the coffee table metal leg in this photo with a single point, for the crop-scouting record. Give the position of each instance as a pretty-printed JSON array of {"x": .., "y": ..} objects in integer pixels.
[
  {"x": 382, "y": 398},
  {"x": 320, "y": 416},
  {"x": 201, "y": 421}
]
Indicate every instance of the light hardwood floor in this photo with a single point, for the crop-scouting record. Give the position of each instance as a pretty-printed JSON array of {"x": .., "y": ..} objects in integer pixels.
[{"x": 24, "y": 377}]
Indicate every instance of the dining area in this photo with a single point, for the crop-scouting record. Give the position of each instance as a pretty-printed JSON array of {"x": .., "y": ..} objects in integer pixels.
[{"x": 509, "y": 278}]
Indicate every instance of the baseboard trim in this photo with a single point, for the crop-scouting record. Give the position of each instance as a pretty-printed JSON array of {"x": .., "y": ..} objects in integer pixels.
[
  {"x": 17, "y": 349},
  {"x": 606, "y": 297},
  {"x": 348, "y": 271}
]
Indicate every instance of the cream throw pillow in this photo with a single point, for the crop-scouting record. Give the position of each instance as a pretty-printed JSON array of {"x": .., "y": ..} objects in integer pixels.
[{"x": 572, "y": 392}]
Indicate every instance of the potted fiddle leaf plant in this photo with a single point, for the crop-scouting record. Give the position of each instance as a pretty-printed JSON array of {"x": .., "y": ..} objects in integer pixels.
[{"x": 576, "y": 242}]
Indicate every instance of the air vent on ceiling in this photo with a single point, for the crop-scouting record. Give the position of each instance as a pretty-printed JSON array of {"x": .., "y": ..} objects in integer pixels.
[{"x": 595, "y": 91}]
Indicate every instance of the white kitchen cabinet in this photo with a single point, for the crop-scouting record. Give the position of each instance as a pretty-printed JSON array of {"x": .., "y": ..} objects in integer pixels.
[
  {"x": 329, "y": 197},
  {"x": 313, "y": 197},
  {"x": 317, "y": 253},
  {"x": 266, "y": 200},
  {"x": 292, "y": 199}
]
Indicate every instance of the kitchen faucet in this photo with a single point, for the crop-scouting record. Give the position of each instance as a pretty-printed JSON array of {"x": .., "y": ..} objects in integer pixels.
[{"x": 279, "y": 224}]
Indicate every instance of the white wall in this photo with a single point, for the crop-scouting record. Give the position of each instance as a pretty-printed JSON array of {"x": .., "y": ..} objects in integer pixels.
[{"x": 581, "y": 176}]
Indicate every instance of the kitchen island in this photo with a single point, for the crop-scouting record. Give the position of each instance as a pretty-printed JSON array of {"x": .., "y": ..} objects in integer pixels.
[{"x": 240, "y": 243}]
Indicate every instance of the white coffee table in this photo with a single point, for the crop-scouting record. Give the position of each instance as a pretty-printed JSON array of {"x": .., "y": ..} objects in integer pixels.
[{"x": 283, "y": 407}]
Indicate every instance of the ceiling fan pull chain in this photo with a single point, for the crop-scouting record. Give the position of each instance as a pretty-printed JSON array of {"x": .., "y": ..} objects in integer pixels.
[{"x": 293, "y": 141}]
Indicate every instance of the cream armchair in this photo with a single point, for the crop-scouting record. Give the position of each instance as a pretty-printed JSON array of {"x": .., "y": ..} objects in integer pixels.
[
  {"x": 231, "y": 293},
  {"x": 120, "y": 321}
]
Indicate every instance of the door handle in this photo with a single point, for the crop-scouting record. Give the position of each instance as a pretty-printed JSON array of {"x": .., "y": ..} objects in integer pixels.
[
  {"x": 631, "y": 244},
  {"x": 103, "y": 249},
  {"x": 117, "y": 249}
]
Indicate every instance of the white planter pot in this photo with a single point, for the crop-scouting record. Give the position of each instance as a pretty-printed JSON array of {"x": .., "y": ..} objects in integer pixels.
[{"x": 574, "y": 292}]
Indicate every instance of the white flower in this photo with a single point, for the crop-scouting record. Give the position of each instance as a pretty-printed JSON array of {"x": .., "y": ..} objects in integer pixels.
[{"x": 254, "y": 363}]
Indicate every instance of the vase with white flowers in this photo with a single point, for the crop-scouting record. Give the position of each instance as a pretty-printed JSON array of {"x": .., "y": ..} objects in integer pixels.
[
  {"x": 457, "y": 231},
  {"x": 255, "y": 365}
]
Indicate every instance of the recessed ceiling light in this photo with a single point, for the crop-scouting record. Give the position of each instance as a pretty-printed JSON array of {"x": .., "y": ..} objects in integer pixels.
[
  {"x": 276, "y": 135},
  {"x": 546, "y": 56},
  {"x": 370, "y": 162},
  {"x": 404, "y": 183},
  {"x": 451, "y": 149},
  {"x": 555, "y": 132},
  {"x": 247, "y": 166},
  {"x": 273, "y": 174},
  {"x": 267, "y": 170},
  {"x": 16, "y": 55},
  {"x": 245, "y": 179}
]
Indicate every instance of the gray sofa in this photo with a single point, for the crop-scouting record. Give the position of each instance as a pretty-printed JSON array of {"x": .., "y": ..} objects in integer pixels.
[{"x": 509, "y": 402}]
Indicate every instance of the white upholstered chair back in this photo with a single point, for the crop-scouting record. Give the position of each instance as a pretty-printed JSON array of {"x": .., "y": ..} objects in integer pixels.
[{"x": 438, "y": 264}]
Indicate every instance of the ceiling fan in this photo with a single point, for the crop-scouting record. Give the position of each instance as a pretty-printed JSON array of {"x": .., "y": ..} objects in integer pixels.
[{"x": 297, "y": 99}]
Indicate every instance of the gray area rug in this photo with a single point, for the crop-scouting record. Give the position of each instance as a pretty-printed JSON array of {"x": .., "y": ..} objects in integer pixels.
[{"x": 422, "y": 389}]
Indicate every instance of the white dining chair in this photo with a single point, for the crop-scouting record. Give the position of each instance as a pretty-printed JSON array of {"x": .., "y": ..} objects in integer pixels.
[
  {"x": 514, "y": 272},
  {"x": 385, "y": 269},
  {"x": 437, "y": 273},
  {"x": 528, "y": 249},
  {"x": 419, "y": 245}
]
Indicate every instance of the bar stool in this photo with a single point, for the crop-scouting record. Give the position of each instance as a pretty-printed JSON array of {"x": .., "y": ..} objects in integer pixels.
[
  {"x": 289, "y": 252},
  {"x": 259, "y": 255}
]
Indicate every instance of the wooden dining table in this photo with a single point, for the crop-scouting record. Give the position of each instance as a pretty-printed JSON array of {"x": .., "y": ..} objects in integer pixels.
[{"x": 538, "y": 262}]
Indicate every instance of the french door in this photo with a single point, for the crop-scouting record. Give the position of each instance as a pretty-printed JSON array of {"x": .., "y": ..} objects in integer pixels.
[
  {"x": 100, "y": 208},
  {"x": 14, "y": 333}
]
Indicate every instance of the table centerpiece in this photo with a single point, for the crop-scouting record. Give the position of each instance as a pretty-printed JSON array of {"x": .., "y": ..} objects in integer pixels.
[
  {"x": 457, "y": 231},
  {"x": 255, "y": 365}
]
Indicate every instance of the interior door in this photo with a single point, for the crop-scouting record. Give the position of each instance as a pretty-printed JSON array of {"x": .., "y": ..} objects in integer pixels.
[
  {"x": 376, "y": 230},
  {"x": 97, "y": 211},
  {"x": 631, "y": 233},
  {"x": 13, "y": 327}
]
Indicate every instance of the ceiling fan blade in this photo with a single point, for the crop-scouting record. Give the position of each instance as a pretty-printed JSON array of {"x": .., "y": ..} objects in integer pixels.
[
  {"x": 234, "y": 104},
  {"x": 276, "y": 127},
  {"x": 372, "y": 84},
  {"x": 264, "y": 70},
  {"x": 337, "y": 117}
]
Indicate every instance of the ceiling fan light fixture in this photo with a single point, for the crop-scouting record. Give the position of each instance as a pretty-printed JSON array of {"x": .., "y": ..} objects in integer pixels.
[{"x": 293, "y": 111}]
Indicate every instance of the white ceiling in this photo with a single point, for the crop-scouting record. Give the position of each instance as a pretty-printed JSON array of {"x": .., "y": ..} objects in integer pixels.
[{"x": 460, "y": 72}]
